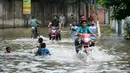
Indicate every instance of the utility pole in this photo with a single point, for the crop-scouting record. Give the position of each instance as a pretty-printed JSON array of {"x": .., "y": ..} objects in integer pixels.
[
  {"x": 97, "y": 18},
  {"x": 90, "y": 10},
  {"x": 14, "y": 14}
]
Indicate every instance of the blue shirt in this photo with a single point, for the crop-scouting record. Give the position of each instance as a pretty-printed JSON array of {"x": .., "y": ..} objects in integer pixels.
[
  {"x": 74, "y": 28},
  {"x": 43, "y": 51},
  {"x": 83, "y": 30},
  {"x": 73, "y": 32},
  {"x": 94, "y": 30},
  {"x": 34, "y": 23}
]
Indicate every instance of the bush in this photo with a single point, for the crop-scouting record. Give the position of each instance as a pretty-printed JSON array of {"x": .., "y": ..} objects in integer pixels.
[{"x": 127, "y": 29}]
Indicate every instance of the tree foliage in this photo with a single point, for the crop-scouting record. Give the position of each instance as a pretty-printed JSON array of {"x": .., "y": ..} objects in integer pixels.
[
  {"x": 127, "y": 28},
  {"x": 121, "y": 8}
]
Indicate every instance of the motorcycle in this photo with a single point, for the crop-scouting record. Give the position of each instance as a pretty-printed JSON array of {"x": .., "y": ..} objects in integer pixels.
[
  {"x": 84, "y": 42},
  {"x": 53, "y": 33}
]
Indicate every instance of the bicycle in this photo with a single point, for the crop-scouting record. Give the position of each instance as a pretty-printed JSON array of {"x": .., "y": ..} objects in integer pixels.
[{"x": 35, "y": 32}]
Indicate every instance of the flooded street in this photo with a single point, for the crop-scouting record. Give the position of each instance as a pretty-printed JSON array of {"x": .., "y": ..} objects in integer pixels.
[{"x": 110, "y": 55}]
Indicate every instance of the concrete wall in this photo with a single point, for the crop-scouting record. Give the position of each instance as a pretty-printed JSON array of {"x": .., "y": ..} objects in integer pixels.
[
  {"x": 11, "y": 12},
  {"x": 101, "y": 12}
]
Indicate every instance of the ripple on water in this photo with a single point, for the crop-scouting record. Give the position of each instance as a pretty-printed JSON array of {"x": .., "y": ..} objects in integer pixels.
[{"x": 63, "y": 59}]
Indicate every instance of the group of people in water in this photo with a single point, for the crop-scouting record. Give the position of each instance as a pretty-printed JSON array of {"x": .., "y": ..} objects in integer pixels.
[
  {"x": 84, "y": 26},
  {"x": 41, "y": 48}
]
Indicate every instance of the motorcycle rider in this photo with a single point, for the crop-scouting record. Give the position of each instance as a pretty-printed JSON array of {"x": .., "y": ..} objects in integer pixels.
[
  {"x": 93, "y": 28},
  {"x": 82, "y": 29},
  {"x": 82, "y": 18},
  {"x": 73, "y": 29},
  {"x": 55, "y": 23}
]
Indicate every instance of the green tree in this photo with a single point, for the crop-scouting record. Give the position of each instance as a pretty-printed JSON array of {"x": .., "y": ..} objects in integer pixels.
[{"x": 121, "y": 8}]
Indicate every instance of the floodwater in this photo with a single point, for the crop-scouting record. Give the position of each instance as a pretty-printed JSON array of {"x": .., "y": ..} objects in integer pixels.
[{"x": 110, "y": 55}]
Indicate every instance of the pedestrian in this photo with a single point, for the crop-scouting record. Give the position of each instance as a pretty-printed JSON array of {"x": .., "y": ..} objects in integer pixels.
[{"x": 62, "y": 20}]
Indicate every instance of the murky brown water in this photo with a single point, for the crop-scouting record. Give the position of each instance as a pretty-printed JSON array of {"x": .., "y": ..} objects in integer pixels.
[{"x": 111, "y": 55}]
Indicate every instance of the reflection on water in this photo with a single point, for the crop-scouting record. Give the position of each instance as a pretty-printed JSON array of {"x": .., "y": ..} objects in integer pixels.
[{"x": 103, "y": 59}]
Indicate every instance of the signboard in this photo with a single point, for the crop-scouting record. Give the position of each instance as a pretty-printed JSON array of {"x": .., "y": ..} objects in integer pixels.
[{"x": 26, "y": 6}]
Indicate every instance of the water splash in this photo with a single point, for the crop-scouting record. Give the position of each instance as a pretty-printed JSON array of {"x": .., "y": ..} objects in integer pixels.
[{"x": 63, "y": 58}]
